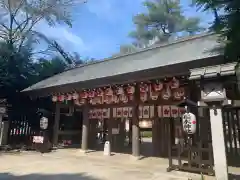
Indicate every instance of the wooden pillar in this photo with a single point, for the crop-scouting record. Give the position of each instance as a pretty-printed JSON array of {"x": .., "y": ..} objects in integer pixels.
[
  {"x": 85, "y": 129},
  {"x": 56, "y": 124},
  {"x": 135, "y": 133}
]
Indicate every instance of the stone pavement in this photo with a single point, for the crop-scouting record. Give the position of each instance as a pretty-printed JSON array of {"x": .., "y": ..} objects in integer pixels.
[{"x": 73, "y": 165}]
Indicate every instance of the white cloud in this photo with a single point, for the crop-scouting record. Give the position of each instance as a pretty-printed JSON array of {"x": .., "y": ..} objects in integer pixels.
[{"x": 64, "y": 36}]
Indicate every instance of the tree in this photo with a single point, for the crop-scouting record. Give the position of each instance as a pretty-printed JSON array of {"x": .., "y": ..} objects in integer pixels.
[
  {"x": 164, "y": 20},
  {"x": 226, "y": 23},
  {"x": 20, "y": 17}
]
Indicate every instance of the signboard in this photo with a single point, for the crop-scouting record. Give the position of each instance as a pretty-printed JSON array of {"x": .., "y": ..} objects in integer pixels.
[
  {"x": 38, "y": 139},
  {"x": 189, "y": 123},
  {"x": 44, "y": 123}
]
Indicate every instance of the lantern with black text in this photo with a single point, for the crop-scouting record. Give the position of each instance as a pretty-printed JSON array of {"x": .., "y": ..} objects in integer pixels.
[
  {"x": 123, "y": 98},
  {"x": 174, "y": 84},
  {"x": 109, "y": 92},
  {"x": 166, "y": 93},
  {"x": 91, "y": 94},
  {"x": 178, "y": 94},
  {"x": 153, "y": 93},
  {"x": 130, "y": 91},
  {"x": 143, "y": 88},
  {"x": 189, "y": 122},
  {"x": 119, "y": 91},
  {"x": 69, "y": 97},
  {"x": 157, "y": 86},
  {"x": 84, "y": 95},
  {"x": 75, "y": 96}
]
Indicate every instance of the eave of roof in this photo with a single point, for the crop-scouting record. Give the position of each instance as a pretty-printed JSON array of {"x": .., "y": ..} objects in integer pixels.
[{"x": 183, "y": 50}]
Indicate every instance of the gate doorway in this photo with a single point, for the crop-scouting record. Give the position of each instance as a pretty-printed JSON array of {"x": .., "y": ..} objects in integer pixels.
[
  {"x": 191, "y": 152},
  {"x": 70, "y": 126}
]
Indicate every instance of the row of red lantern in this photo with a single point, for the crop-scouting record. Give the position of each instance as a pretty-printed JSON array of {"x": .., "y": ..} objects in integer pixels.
[
  {"x": 108, "y": 94},
  {"x": 124, "y": 94}
]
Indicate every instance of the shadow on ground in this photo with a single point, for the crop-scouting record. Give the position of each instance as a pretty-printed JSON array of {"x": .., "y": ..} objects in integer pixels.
[
  {"x": 80, "y": 176},
  {"x": 234, "y": 177}
]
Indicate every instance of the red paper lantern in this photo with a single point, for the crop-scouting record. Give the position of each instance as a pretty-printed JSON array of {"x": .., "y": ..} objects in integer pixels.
[
  {"x": 119, "y": 91},
  {"x": 91, "y": 94},
  {"x": 100, "y": 92},
  {"x": 143, "y": 88},
  {"x": 69, "y": 97},
  {"x": 179, "y": 93},
  {"x": 84, "y": 95},
  {"x": 174, "y": 84},
  {"x": 61, "y": 98},
  {"x": 123, "y": 98},
  {"x": 166, "y": 94},
  {"x": 143, "y": 96},
  {"x": 115, "y": 99},
  {"x": 75, "y": 96},
  {"x": 157, "y": 86},
  {"x": 109, "y": 92},
  {"x": 130, "y": 89}
]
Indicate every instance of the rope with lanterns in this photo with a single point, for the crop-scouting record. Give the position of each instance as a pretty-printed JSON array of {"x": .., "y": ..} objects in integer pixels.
[{"x": 126, "y": 93}]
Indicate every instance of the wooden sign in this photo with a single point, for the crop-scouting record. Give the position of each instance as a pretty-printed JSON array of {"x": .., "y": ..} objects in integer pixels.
[
  {"x": 166, "y": 111},
  {"x": 125, "y": 112},
  {"x": 174, "y": 112},
  {"x": 119, "y": 112},
  {"x": 146, "y": 112}
]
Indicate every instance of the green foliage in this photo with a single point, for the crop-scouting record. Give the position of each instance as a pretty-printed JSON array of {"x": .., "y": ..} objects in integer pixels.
[
  {"x": 226, "y": 23},
  {"x": 164, "y": 20}
]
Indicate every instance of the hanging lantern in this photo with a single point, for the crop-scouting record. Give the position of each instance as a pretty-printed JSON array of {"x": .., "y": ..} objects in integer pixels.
[
  {"x": 143, "y": 96},
  {"x": 115, "y": 99},
  {"x": 54, "y": 98},
  {"x": 130, "y": 90},
  {"x": 143, "y": 88},
  {"x": 174, "y": 84},
  {"x": 157, "y": 86},
  {"x": 100, "y": 92},
  {"x": 153, "y": 93},
  {"x": 91, "y": 94},
  {"x": 119, "y": 91},
  {"x": 179, "y": 93},
  {"x": 69, "y": 97},
  {"x": 189, "y": 122},
  {"x": 166, "y": 94},
  {"x": 109, "y": 99},
  {"x": 84, "y": 95},
  {"x": 109, "y": 92},
  {"x": 123, "y": 98},
  {"x": 75, "y": 96},
  {"x": 61, "y": 98}
]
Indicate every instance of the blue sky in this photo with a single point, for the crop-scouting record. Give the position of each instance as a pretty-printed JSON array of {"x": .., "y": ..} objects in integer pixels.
[{"x": 101, "y": 26}]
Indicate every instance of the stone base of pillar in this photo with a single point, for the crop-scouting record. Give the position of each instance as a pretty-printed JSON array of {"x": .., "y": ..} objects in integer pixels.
[
  {"x": 135, "y": 158},
  {"x": 83, "y": 151}
]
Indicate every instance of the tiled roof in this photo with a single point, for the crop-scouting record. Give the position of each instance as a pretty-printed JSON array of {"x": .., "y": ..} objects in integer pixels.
[{"x": 180, "y": 51}]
